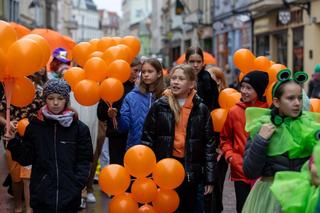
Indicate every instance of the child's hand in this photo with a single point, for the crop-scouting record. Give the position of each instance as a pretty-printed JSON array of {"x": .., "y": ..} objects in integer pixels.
[
  {"x": 314, "y": 175},
  {"x": 267, "y": 130}
]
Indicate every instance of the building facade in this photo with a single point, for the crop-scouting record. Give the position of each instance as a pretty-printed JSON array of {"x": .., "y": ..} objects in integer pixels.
[
  {"x": 109, "y": 23},
  {"x": 85, "y": 13}
]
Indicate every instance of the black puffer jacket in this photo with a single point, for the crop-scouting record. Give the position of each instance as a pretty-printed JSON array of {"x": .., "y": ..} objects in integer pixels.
[
  {"x": 61, "y": 158},
  {"x": 256, "y": 162},
  {"x": 159, "y": 130}
]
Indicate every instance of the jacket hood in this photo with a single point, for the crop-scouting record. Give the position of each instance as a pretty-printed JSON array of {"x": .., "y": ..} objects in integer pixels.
[{"x": 258, "y": 103}]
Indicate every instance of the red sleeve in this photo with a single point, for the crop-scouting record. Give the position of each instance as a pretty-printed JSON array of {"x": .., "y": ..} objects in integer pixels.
[{"x": 226, "y": 137}]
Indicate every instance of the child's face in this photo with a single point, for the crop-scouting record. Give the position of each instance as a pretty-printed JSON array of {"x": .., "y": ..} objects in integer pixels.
[
  {"x": 248, "y": 94},
  {"x": 196, "y": 62},
  {"x": 56, "y": 103},
  {"x": 290, "y": 103},
  {"x": 179, "y": 84},
  {"x": 134, "y": 73},
  {"x": 149, "y": 74}
]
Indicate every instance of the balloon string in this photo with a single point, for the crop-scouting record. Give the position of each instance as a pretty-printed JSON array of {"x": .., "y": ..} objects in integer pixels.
[
  {"x": 8, "y": 86},
  {"x": 114, "y": 119}
]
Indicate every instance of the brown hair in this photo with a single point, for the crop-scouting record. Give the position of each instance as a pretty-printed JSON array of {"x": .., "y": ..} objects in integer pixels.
[
  {"x": 191, "y": 76},
  {"x": 194, "y": 50},
  {"x": 158, "y": 86},
  {"x": 219, "y": 75}
]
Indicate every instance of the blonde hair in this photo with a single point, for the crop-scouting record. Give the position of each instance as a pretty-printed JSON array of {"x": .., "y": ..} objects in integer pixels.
[
  {"x": 218, "y": 73},
  {"x": 173, "y": 103},
  {"x": 158, "y": 84}
]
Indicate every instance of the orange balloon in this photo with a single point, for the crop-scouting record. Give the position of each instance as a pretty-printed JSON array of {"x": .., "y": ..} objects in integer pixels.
[
  {"x": 218, "y": 116},
  {"x": 168, "y": 173},
  {"x": 314, "y": 105},
  {"x": 268, "y": 93},
  {"x": 96, "y": 69},
  {"x": 223, "y": 96},
  {"x": 114, "y": 179},
  {"x": 133, "y": 43},
  {"x": 273, "y": 71},
  {"x": 144, "y": 190},
  {"x": 243, "y": 59},
  {"x": 23, "y": 92},
  {"x": 74, "y": 75},
  {"x": 120, "y": 70},
  {"x": 7, "y": 35},
  {"x": 94, "y": 42},
  {"x": 114, "y": 53},
  {"x": 87, "y": 92},
  {"x": 111, "y": 90},
  {"x": 3, "y": 63},
  {"x": 44, "y": 45},
  {"x": 167, "y": 201},
  {"x": 24, "y": 57},
  {"x": 105, "y": 43},
  {"x": 139, "y": 161},
  {"x": 117, "y": 39},
  {"x": 146, "y": 209},
  {"x": 123, "y": 204},
  {"x": 81, "y": 52},
  {"x": 232, "y": 99},
  {"x": 22, "y": 125},
  {"x": 96, "y": 54},
  {"x": 128, "y": 50},
  {"x": 261, "y": 63}
]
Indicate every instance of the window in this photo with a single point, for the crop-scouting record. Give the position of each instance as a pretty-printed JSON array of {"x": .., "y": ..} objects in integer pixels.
[
  {"x": 262, "y": 45},
  {"x": 297, "y": 52},
  {"x": 282, "y": 46}
]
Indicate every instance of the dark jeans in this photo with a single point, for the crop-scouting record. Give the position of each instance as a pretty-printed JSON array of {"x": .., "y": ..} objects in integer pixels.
[
  {"x": 117, "y": 149},
  {"x": 188, "y": 192},
  {"x": 242, "y": 191},
  {"x": 215, "y": 204}
]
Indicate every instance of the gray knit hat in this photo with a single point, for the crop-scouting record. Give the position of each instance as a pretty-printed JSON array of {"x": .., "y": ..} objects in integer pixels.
[{"x": 58, "y": 86}]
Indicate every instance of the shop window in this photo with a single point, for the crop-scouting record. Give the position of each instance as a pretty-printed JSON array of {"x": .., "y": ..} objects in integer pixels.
[
  {"x": 282, "y": 47},
  {"x": 207, "y": 44},
  {"x": 297, "y": 52},
  {"x": 262, "y": 45}
]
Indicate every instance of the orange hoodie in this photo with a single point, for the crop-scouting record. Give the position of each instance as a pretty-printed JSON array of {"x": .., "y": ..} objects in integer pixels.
[{"x": 181, "y": 127}]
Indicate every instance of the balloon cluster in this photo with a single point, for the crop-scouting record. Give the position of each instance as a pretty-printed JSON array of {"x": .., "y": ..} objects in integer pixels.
[
  {"x": 105, "y": 66},
  {"x": 20, "y": 58},
  {"x": 246, "y": 62},
  {"x": 140, "y": 162}
]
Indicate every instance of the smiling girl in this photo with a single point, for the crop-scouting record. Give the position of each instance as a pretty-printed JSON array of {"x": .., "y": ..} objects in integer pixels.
[{"x": 178, "y": 126}]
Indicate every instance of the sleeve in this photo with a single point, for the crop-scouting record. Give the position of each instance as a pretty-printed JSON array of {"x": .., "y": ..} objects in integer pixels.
[
  {"x": 226, "y": 137},
  {"x": 255, "y": 156},
  {"x": 22, "y": 152},
  {"x": 84, "y": 155},
  {"x": 150, "y": 128},
  {"x": 210, "y": 160},
  {"x": 215, "y": 94},
  {"x": 125, "y": 117}
]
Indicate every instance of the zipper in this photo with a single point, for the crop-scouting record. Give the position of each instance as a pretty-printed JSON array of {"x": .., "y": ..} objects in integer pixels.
[
  {"x": 150, "y": 100},
  {"x": 187, "y": 145},
  {"x": 67, "y": 142},
  {"x": 56, "y": 161}
]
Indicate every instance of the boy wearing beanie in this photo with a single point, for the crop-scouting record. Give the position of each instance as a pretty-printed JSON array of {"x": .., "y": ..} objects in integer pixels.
[
  {"x": 233, "y": 135},
  {"x": 59, "y": 147}
]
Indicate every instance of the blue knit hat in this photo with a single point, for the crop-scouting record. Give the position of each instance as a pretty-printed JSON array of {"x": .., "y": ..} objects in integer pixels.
[{"x": 58, "y": 86}]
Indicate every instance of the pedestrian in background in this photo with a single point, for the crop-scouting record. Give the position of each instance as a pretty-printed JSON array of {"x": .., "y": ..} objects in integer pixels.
[
  {"x": 58, "y": 146},
  {"x": 206, "y": 87},
  {"x": 185, "y": 134},
  {"x": 233, "y": 136},
  {"x": 137, "y": 103},
  {"x": 314, "y": 83}
]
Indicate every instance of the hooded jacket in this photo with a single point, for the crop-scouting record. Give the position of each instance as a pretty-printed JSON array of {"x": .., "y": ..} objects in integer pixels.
[
  {"x": 133, "y": 112},
  {"x": 233, "y": 138},
  {"x": 61, "y": 158}
]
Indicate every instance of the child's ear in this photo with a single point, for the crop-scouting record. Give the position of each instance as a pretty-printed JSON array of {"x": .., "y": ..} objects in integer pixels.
[{"x": 276, "y": 102}]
